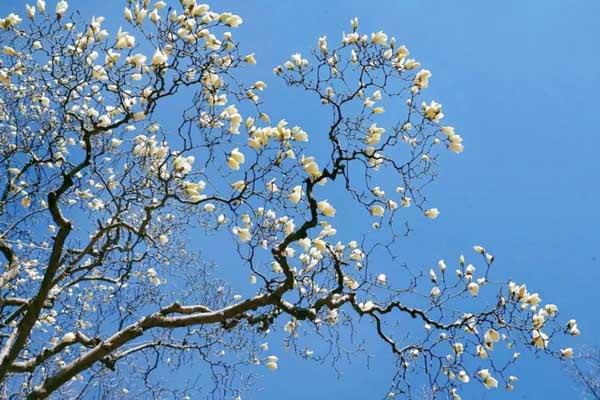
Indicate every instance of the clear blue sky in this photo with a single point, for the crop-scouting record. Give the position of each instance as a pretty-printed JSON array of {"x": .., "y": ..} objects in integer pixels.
[{"x": 520, "y": 81}]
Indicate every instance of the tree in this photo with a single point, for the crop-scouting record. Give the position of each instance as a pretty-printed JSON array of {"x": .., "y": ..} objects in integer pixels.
[{"x": 103, "y": 185}]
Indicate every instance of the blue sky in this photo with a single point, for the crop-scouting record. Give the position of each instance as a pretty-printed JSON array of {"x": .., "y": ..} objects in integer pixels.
[{"x": 519, "y": 81}]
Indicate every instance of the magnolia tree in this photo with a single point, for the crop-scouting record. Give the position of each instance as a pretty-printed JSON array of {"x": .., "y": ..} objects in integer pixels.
[{"x": 107, "y": 205}]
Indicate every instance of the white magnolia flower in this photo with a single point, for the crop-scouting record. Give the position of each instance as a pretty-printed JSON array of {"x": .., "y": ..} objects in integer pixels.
[
  {"x": 422, "y": 79},
  {"x": 491, "y": 336},
  {"x": 551, "y": 309},
  {"x": 310, "y": 166},
  {"x": 243, "y": 234},
  {"x": 566, "y": 353},
  {"x": 183, "y": 165},
  {"x": 481, "y": 352},
  {"x": 488, "y": 381},
  {"x": 124, "y": 40},
  {"x": 473, "y": 288},
  {"x": 377, "y": 211},
  {"x": 478, "y": 249},
  {"x": 572, "y": 328},
  {"x": 128, "y": 14},
  {"x": 271, "y": 363},
  {"x": 432, "y": 213},
  {"x": 229, "y": 19},
  {"x": 456, "y": 147},
  {"x": 163, "y": 239},
  {"x": 137, "y": 60},
  {"x": 236, "y": 158},
  {"x": 455, "y": 395},
  {"x": 379, "y": 38},
  {"x": 432, "y": 111},
  {"x": 458, "y": 348},
  {"x": 41, "y": 6},
  {"x": 296, "y": 194},
  {"x": 239, "y": 186},
  {"x": 250, "y": 59},
  {"x": 61, "y": 8},
  {"x": 9, "y": 51},
  {"x": 159, "y": 58},
  {"x": 442, "y": 265},
  {"x": 26, "y": 201},
  {"x": 539, "y": 339},
  {"x": 382, "y": 279},
  {"x": 326, "y": 209},
  {"x": 374, "y": 134}
]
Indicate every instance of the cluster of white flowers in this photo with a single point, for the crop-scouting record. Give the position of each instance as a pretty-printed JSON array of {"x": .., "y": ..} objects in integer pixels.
[{"x": 259, "y": 137}]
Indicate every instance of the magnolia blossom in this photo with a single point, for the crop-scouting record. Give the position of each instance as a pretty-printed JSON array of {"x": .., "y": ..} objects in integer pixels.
[
  {"x": 271, "y": 363},
  {"x": 61, "y": 8},
  {"x": 566, "y": 353},
  {"x": 455, "y": 144},
  {"x": 432, "y": 213},
  {"x": 9, "y": 51},
  {"x": 377, "y": 211},
  {"x": 473, "y": 288},
  {"x": 229, "y": 19},
  {"x": 124, "y": 40},
  {"x": 239, "y": 186},
  {"x": 539, "y": 339},
  {"x": 137, "y": 60},
  {"x": 481, "y": 352},
  {"x": 183, "y": 165},
  {"x": 128, "y": 14},
  {"x": 458, "y": 348},
  {"x": 479, "y": 249},
  {"x": 41, "y": 6},
  {"x": 572, "y": 328},
  {"x": 159, "y": 58},
  {"x": 491, "y": 336},
  {"x": 326, "y": 209},
  {"x": 250, "y": 59},
  {"x": 422, "y": 79},
  {"x": 236, "y": 158},
  {"x": 243, "y": 233},
  {"x": 310, "y": 166},
  {"x": 454, "y": 394},
  {"x": 163, "y": 239},
  {"x": 432, "y": 111},
  {"x": 382, "y": 279},
  {"x": 296, "y": 194},
  {"x": 442, "y": 265},
  {"x": 379, "y": 38},
  {"x": 488, "y": 381},
  {"x": 374, "y": 134}
]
